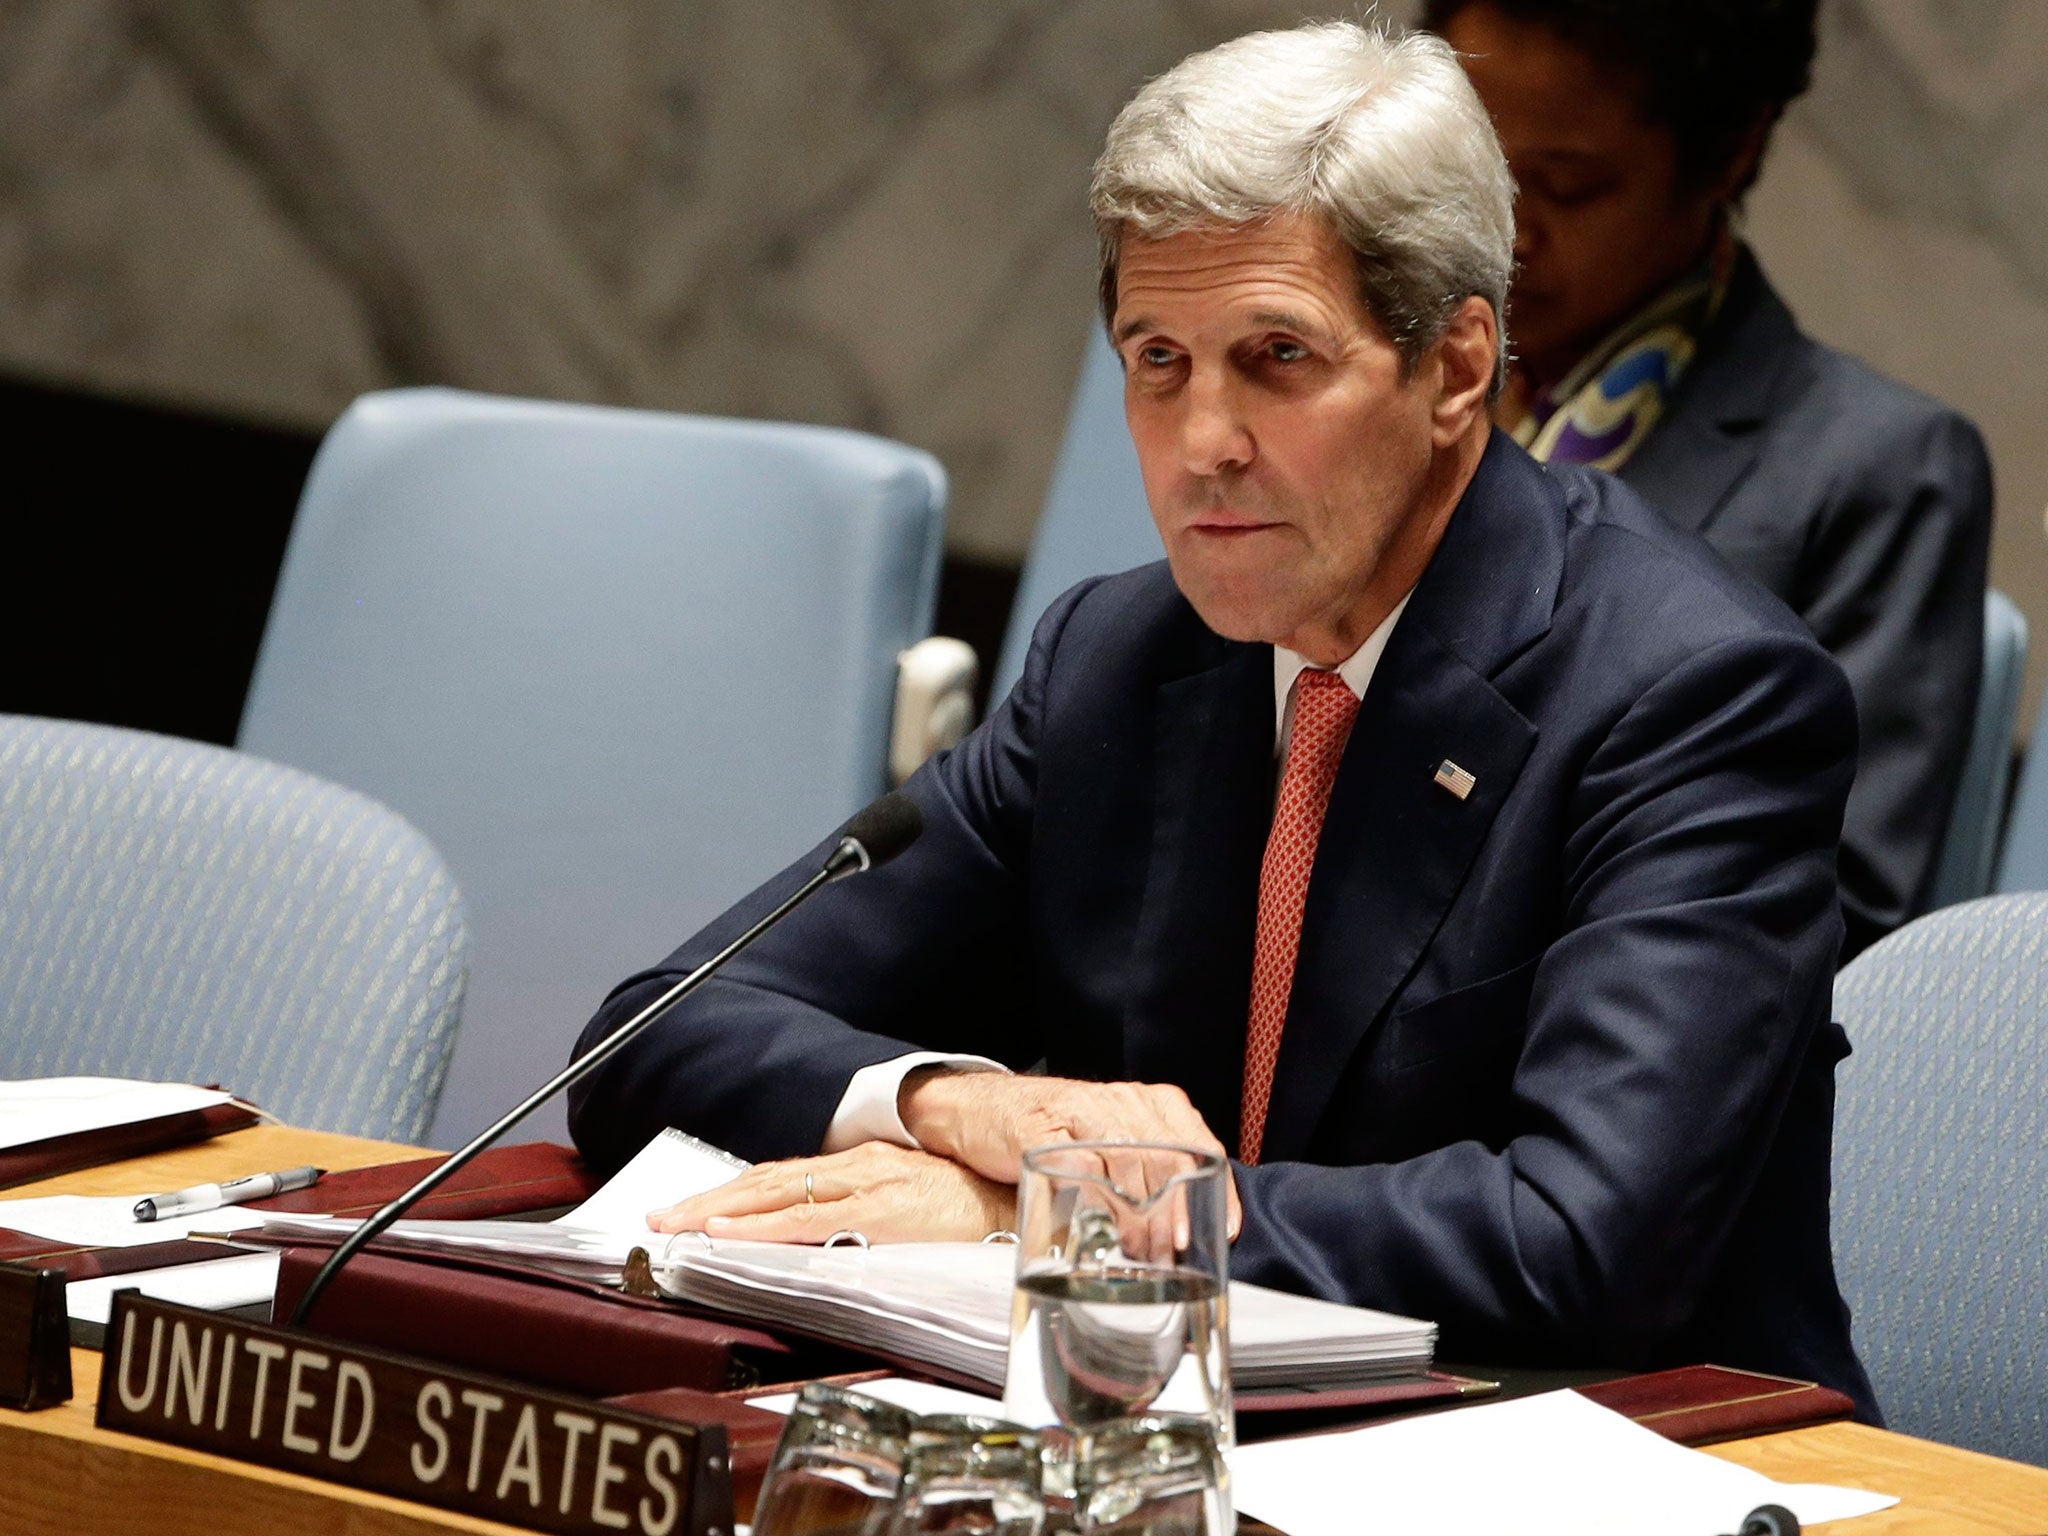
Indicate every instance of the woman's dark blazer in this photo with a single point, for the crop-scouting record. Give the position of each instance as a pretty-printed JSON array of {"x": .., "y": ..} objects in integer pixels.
[{"x": 1866, "y": 507}]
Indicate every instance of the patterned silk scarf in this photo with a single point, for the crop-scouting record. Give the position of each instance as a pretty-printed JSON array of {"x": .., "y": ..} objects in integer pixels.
[{"x": 1601, "y": 411}]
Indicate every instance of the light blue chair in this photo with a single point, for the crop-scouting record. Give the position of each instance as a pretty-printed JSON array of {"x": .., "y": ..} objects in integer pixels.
[
  {"x": 2023, "y": 866},
  {"x": 1941, "y": 1173},
  {"x": 183, "y": 913},
  {"x": 1969, "y": 854},
  {"x": 1096, "y": 521},
  {"x": 620, "y": 665}
]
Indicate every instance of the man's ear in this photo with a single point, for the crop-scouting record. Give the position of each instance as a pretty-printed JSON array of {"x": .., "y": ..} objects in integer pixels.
[{"x": 1467, "y": 354}]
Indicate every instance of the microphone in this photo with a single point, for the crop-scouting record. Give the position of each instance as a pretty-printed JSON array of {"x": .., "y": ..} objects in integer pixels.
[
  {"x": 876, "y": 834},
  {"x": 1769, "y": 1520}
]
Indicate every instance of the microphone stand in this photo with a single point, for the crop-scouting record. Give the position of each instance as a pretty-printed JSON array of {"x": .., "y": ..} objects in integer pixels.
[{"x": 849, "y": 858}]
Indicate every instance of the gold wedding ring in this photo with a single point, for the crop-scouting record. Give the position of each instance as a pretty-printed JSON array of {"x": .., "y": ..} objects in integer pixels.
[{"x": 810, "y": 1198}]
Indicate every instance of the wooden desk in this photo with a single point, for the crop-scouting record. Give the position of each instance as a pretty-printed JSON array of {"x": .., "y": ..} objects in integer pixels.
[
  {"x": 60, "y": 1476},
  {"x": 1942, "y": 1491}
]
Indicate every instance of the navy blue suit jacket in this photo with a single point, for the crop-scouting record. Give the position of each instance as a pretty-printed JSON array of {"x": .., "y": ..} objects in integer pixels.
[{"x": 1557, "y": 1069}]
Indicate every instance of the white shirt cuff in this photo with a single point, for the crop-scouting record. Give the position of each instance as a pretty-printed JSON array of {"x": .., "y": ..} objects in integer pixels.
[{"x": 867, "y": 1110}]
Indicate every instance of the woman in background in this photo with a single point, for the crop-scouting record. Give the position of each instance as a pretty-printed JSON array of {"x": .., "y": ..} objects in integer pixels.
[{"x": 1648, "y": 342}]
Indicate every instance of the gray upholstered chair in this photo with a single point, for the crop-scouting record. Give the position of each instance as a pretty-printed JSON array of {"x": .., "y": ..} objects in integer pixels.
[
  {"x": 1941, "y": 1173},
  {"x": 1095, "y": 521},
  {"x": 1969, "y": 854},
  {"x": 180, "y": 912},
  {"x": 2023, "y": 864},
  {"x": 620, "y": 665}
]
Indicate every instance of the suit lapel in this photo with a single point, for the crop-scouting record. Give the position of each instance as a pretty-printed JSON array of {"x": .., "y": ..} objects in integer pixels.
[
  {"x": 1397, "y": 845},
  {"x": 1212, "y": 805},
  {"x": 1689, "y": 466},
  {"x": 1692, "y": 463},
  {"x": 1395, "y": 851}
]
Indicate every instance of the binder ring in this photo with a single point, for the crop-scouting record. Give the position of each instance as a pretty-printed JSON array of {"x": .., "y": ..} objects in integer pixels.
[
  {"x": 847, "y": 1235},
  {"x": 668, "y": 1248}
]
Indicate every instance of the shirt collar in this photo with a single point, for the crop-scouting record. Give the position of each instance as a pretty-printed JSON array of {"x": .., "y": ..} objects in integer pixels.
[{"x": 1356, "y": 669}]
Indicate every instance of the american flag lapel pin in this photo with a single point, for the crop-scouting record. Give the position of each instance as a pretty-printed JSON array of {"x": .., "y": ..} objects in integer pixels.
[{"x": 1455, "y": 779}]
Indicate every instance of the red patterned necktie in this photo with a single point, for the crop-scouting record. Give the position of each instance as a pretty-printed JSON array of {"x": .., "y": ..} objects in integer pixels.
[{"x": 1324, "y": 707}]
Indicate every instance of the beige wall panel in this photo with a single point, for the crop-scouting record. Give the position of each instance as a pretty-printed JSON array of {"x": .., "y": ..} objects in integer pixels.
[
  {"x": 1904, "y": 213},
  {"x": 821, "y": 210}
]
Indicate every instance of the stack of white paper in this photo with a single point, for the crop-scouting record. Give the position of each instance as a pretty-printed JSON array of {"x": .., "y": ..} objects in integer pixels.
[
  {"x": 945, "y": 1305},
  {"x": 948, "y": 1304},
  {"x": 39, "y": 1109},
  {"x": 919, "y": 1397},
  {"x": 214, "y": 1284},
  {"x": 1278, "y": 1339},
  {"x": 44, "y": 1109},
  {"x": 567, "y": 1250},
  {"x": 590, "y": 1242},
  {"x": 108, "y": 1221},
  {"x": 1554, "y": 1465}
]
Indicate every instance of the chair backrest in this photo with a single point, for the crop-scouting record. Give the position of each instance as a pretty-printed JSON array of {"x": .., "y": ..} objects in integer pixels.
[
  {"x": 1096, "y": 521},
  {"x": 1969, "y": 854},
  {"x": 184, "y": 913},
  {"x": 1941, "y": 1173},
  {"x": 620, "y": 665},
  {"x": 2023, "y": 863}
]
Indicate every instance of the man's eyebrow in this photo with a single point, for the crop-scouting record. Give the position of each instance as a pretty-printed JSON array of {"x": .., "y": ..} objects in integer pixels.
[
  {"x": 1288, "y": 320},
  {"x": 1275, "y": 319}
]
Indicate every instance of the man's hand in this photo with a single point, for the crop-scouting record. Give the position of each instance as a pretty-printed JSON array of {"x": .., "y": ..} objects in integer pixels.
[
  {"x": 887, "y": 1193},
  {"x": 988, "y": 1120}
]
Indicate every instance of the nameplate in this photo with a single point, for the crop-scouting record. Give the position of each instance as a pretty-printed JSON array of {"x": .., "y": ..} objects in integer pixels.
[
  {"x": 393, "y": 1424},
  {"x": 35, "y": 1338}
]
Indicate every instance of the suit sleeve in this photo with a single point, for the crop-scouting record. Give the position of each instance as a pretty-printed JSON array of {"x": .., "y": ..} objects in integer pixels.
[
  {"x": 928, "y": 952},
  {"x": 1666, "y": 1028},
  {"x": 1893, "y": 585}
]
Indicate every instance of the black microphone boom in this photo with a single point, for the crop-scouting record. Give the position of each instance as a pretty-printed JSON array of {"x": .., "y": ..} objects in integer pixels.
[{"x": 876, "y": 835}]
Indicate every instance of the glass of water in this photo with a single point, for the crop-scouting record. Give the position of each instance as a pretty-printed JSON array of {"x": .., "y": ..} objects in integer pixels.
[
  {"x": 1152, "y": 1475},
  {"x": 965, "y": 1475},
  {"x": 837, "y": 1468},
  {"x": 1121, "y": 1305}
]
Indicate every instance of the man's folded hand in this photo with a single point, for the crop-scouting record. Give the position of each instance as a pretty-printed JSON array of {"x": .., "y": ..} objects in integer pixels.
[
  {"x": 988, "y": 1121},
  {"x": 887, "y": 1193}
]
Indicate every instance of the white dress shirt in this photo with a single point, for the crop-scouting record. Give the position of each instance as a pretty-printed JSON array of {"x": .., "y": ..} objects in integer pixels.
[
  {"x": 868, "y": 1109},
  {"x": 1356, "y": 670}
]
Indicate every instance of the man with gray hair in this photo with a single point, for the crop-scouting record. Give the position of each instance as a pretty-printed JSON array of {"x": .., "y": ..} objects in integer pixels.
[{"x": 1449, "y": 841}]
